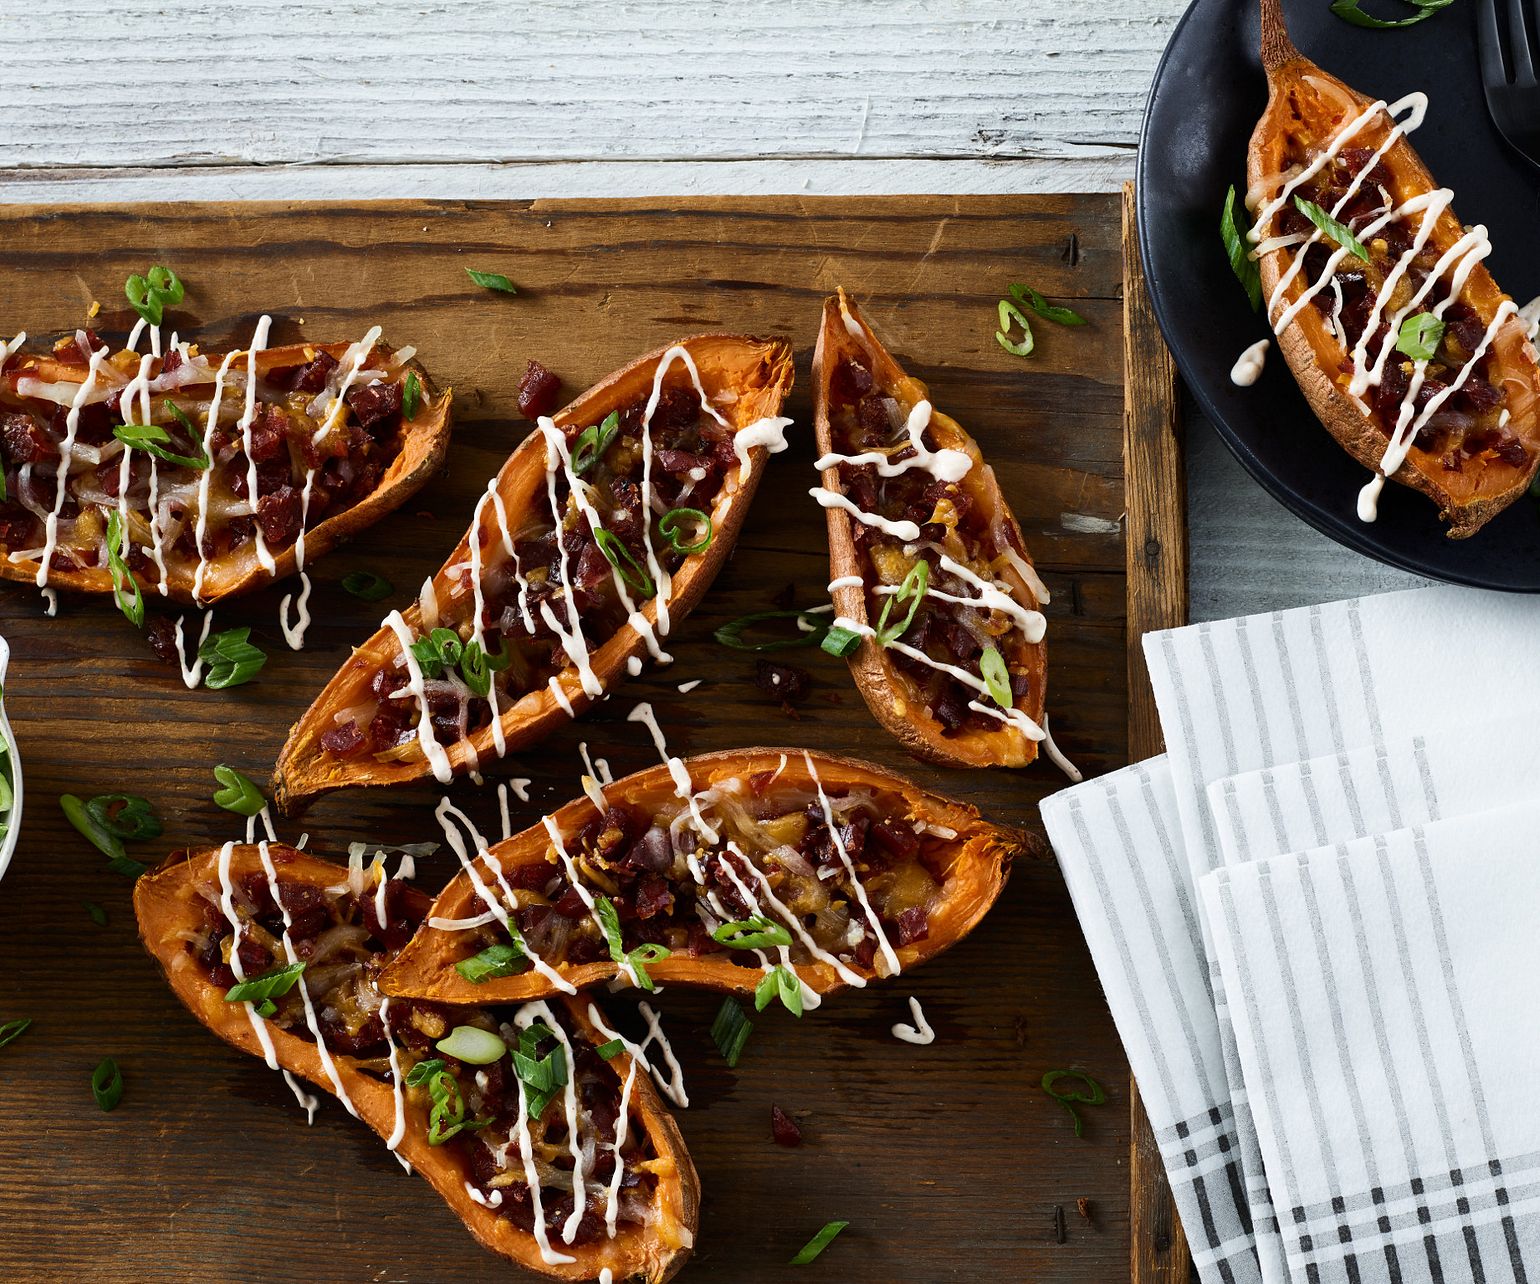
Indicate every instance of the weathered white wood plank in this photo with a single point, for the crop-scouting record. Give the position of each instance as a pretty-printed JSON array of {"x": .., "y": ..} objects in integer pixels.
[
  {"x": 849, "y": 177},
  {"x": 277, "y": 81}
]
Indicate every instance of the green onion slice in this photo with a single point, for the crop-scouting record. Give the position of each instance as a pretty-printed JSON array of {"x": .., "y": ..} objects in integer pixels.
[
  {"x": 367, "y": 586},
  {"x": 122, "y": 578},
  {"x": 1009, "y": 313},
  {"x": 231, "y": 658},
  {"x": 1339, "y": 232},
  {"x": 491, "y": 281},
  {"x": 913, "y": 591},
  {"x": 841, "y": 641},
  {"x": 79, "y": 815},
  {"x": 671, "y": 521},
  {"x": 780, "y": 982},
  {"x": 593, "y": 442},
  {"x": 239, "y": 793},
  {"x": 152, "y": 438},
  {"x": 127, "y": 866},
  {"x": 107, "y": 1084},
  {"x": 478, "y": 665},
  {"x": 1093, "y": 1094},
  {"x": 411, "y": 395},
  {"x": 97, "y": 913},
  {"x": 1030, "y": 298},
  {"x": 731, "y": 634},
  {"x": 754, "y": 933},
  {"x": 542, "y": 1077},
  {"x": 731, "y": 1030},
  {"x": 125, "y": 816},
  {"x": 818, "y": 1243},
  {"x": 149, "y": 295},
  {"x": 440, "y": 650},
  {"x": 637, "y": 959},
  {"x": 472, "y": 1045},
  {"x": 272, "y": 984},
  {"x": 609, "y": 1051},
  {"x": 420, "y": 1073},
  {"x": 13, "y": 1030},
  {"x": 494, "y": 961},
  {"x": 1349, "y": 11},
  {"x": 619, "y": 556},
  {"x": 1233, "y": 226},
  {"x": 996, "y": 677},
  {"x": 1419, "y": 336}
]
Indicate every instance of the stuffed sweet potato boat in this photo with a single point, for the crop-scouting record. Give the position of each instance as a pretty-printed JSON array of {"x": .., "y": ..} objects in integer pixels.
[
  {"x": 1414, "y": 359},
  {"x": 196, "y": 475},
  {"x": 603, "y": 528},
  {"x": 564, "y": 1162},
  {"x": 772, "y": 867},
  {"x": 927, "y": 564}
]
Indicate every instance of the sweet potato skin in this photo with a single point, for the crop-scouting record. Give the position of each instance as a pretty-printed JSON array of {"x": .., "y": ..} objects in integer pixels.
[
  {"x": 759, "y": 370},
  {"x": 881, "y": 685},
  {"x": 1295, "y": 85},
  {"x": 425, "y": 441},
  {"x": 425, "y": 967},
  {"x": 165, "y": 901}
]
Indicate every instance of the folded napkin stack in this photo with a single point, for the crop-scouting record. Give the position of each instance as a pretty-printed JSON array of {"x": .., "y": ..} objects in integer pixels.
[{"x": 1317, "y": 923}]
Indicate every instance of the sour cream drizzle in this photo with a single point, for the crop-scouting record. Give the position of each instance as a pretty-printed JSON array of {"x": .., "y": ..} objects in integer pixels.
[
  {"x": 62, "y": 471},
  {"x": 672, "y": 1086},
  {"x": 920, "y": 1032},
  {"x": 446, "y": 814},
  {"x": 432, "y": 750},
  {"x": 1456, "y": 265},
  {"x": 888, "y": 956},
  {"x": 1248, "y": 366},
  {"x": 248, "y": 416},
  {"x": 322, "y": 1051},
  {"x": 947, "y": 465}
]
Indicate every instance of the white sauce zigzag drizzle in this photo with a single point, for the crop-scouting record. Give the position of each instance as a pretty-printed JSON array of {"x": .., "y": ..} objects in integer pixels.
[
  {"x": 248, "y": 416},
  {"x": 523, "y": 1019},
  {"x": 1456, "y": 264},
  {"x": 339, "y": 1089},
  {"x": 948, "y": 465},
  {"x": 886, "y": 950},
  {"x": 672, "y": 1087},
  {"x": 446, "y": 813},
  {"x": 62, "y": 470}
]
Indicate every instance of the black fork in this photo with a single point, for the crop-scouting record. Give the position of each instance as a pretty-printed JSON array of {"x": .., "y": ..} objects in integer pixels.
[{"x": 1509, "y": 34}]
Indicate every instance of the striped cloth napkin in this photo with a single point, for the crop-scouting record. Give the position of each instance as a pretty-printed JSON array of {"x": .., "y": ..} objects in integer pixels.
[
  {"x": 1239, "y": 699},
  {"x": 1383, "y": 1004}
]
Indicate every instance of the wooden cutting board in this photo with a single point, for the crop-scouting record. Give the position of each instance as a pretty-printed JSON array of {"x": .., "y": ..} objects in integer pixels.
[{"x": 948, "y": 1161}]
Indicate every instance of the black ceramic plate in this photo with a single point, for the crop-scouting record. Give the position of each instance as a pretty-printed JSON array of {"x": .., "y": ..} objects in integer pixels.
[{"x": 1208, "y": 93}]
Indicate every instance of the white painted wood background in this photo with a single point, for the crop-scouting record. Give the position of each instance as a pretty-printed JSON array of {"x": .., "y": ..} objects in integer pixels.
[{"x": 128, "y": 100}]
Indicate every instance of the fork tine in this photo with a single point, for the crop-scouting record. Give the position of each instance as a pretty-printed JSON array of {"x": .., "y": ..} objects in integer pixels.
[
  {"x": 1490, "y": 40},
  {"x": 1518, "y": 44}
]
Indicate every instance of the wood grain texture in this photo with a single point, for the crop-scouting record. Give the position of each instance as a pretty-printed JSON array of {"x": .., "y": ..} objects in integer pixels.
[
  {"x": 1157, "y": 599},
  {"x": 280, "y": 82},
  {"x": 948, "y": 1160}
]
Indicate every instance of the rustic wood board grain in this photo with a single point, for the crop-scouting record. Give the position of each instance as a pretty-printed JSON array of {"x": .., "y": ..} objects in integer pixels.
[
  {"x": 947, "y": 1160},
  {"x": 1157, "y": 599}
]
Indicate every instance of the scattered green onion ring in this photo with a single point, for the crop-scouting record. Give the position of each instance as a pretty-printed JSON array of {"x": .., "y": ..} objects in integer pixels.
[
  {"x": 996, "y": 677},
  {"x": 107, "y": 1084},
  {"x": 122, "y": 578},
  {"x": 125, "y": 816},
  {"x": 494, "y": 961},
  {"x": 913, "y": 591},
  {"x": 731, "y": 1030},
  {"x": 13, "y": 1030},
  {"x": 593, "y": 442},
  {"x": 619, "y": 556},
  {"x": 1009, "y": 312},
  {"x": 731, "y": 634},
  {"x": 239, "y": 792},
  {"x": 273, "y": 984},
  {"x": 1094, "y": 1094},
  {"x": 669, "y": 523}
]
